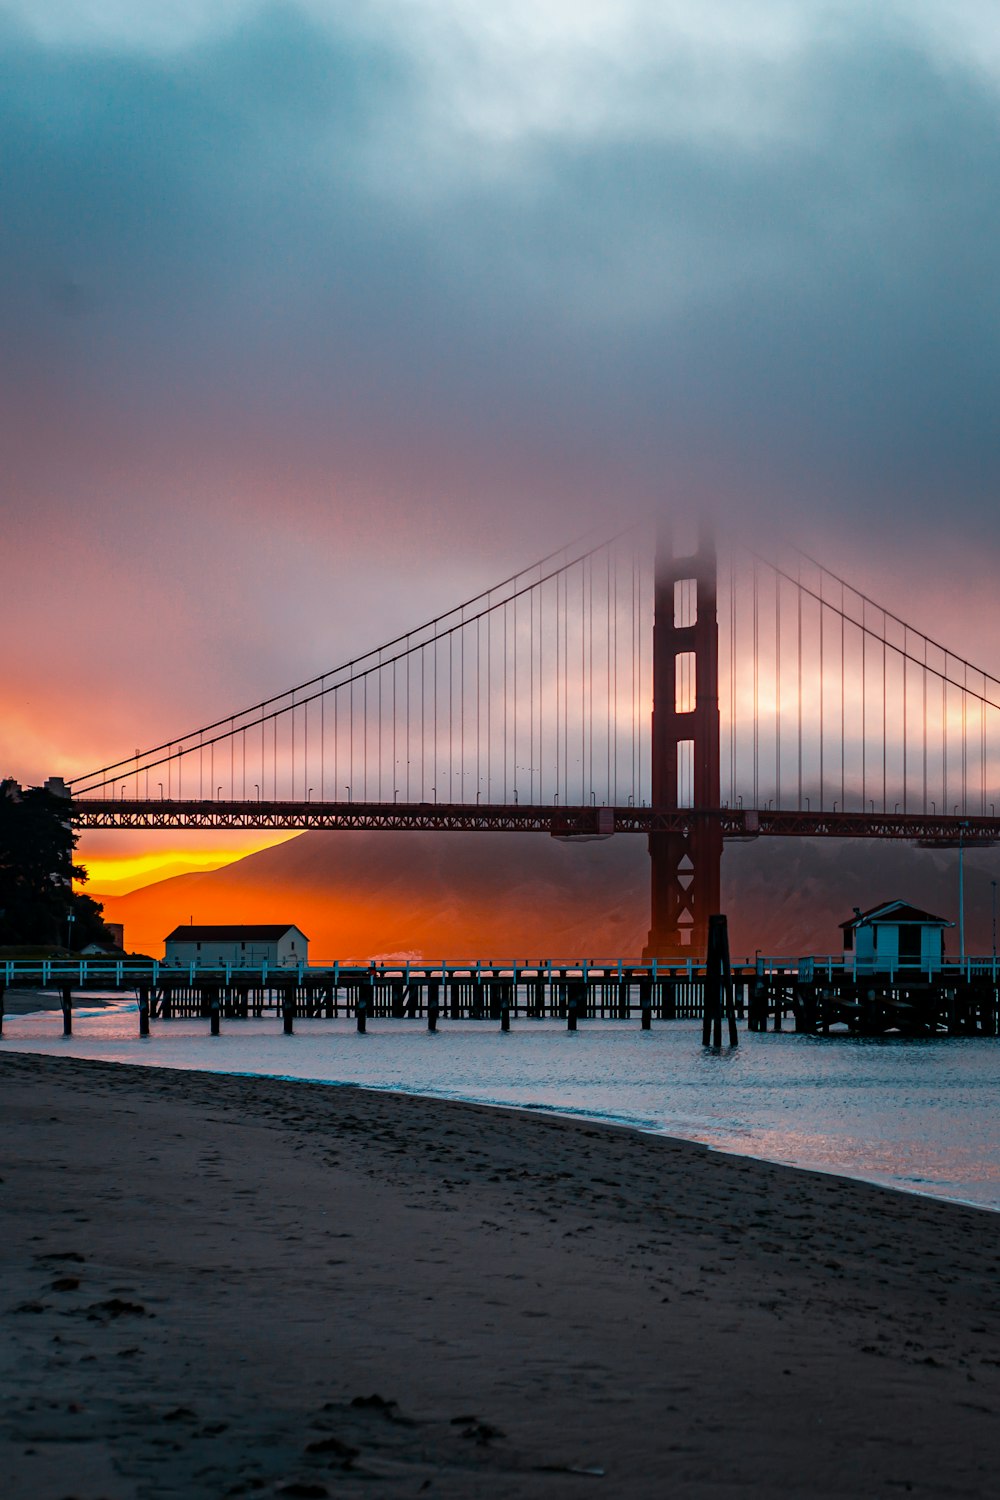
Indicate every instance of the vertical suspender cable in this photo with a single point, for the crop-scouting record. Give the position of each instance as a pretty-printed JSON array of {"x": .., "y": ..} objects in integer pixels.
[
  {"x": 822, "y": 698},
  {"x": 906, "y": 705},
  {"x": 965, "y": 701},
  {"x": 923, "y": 680},
  {"x": 884, "y": 720},
  {"x": 732, "y": 679},
  {"x": 843, "y": 712},
  {"x": 756, "y": 668},
  {"x": 799, "y": 668},
  {"x": 777, "y": 689}
]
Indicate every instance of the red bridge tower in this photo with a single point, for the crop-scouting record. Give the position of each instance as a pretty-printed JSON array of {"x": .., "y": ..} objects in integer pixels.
[{"x": 686, "y": 867}]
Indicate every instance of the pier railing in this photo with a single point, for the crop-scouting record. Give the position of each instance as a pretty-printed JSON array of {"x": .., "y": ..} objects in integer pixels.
[{"x": 124, "y": 973}]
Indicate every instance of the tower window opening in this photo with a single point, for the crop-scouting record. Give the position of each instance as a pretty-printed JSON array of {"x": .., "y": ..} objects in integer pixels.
[
  {"x": 685, "y": 603},
  {"x": 684, "y": 682},
  {"x": 685, "y": 773}
]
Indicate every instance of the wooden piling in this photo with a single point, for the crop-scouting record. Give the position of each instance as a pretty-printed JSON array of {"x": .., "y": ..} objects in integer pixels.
[
  {"x": 361, "y": 1013},
  {"x": 718, "y": 985},
  {"x": 288, "y": 1011},
  {"x": 67, "y": 1010},
  {"x": 143, "y": 1011}
]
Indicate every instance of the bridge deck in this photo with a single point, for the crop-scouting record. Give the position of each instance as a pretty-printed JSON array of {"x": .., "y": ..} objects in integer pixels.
[{"x": 561, "y": 822}]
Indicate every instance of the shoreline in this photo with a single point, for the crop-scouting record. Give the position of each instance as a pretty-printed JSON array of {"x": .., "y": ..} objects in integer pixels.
[
  {"x": 693, "y": 1121},
  {"x": 218, "y": 1273}
]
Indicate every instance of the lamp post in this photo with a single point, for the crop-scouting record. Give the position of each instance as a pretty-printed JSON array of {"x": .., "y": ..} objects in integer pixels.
[
  {"x": 70, "y": 919},
  {"x": 994, "y": 885}
]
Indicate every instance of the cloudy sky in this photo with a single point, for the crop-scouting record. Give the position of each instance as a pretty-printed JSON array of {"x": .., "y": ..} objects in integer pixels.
[{"x": 316, "y": 317}]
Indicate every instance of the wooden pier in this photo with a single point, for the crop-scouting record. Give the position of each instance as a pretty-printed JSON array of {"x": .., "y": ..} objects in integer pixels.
[
  {"x": 876, "y": 1005},
  {"x": 482, "y": 993},
  {"x": 819, "y": 1000}
]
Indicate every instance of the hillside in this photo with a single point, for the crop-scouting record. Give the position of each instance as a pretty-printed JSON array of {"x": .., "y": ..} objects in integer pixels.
[{"x": 357, "y": 894}]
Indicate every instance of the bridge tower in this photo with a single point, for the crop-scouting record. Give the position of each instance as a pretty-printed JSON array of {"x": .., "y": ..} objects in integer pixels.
[{"x": 686, "y": 868}]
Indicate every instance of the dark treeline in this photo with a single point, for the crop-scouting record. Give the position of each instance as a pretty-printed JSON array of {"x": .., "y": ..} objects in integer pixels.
[{"x": 38, "y": 905}]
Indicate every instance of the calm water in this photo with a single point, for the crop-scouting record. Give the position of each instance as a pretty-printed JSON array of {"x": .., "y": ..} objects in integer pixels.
[{"x": 919, "y": 1115}]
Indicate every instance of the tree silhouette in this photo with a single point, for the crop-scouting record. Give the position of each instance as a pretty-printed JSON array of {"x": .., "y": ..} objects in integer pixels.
[{"x": 37, "y": 871}]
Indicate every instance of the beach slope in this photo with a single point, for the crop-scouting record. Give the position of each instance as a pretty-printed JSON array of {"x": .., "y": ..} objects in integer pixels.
[{"x": 232, "y": 1286}]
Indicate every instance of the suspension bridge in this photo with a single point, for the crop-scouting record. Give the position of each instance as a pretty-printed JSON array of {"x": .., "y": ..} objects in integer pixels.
[{"x": 627, "y": 686}]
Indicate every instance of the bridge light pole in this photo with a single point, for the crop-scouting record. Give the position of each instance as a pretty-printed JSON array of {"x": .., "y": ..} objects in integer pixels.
[
  {"x": 160, "y": 785},
  {"x": 348, "y": 791},
  {"x": 256, "y": 787}
]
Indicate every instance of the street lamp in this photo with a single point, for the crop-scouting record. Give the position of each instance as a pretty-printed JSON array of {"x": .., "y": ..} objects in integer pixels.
[
  {"x": 348, "y": 791},
  {"x": 70, "y": 919}
]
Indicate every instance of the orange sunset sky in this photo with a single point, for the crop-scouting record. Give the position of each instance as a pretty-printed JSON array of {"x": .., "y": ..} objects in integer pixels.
[{"x": 313, "y": 325}]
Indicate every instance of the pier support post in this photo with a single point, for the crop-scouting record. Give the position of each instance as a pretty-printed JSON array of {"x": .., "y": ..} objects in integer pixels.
[
  {"x": 433, "y": 1008},
  {"x": 505, "y": 1014},
  {"x": 718, "y": 986},
  {"x": 143, "y": 1011},
  {"x": 288, "y": 1012},
  {"x": 3, "y": 991},
  {"x": 361, "y": 1013},
  {"x": 571, "y": 1013},
  {"x": 67, "y": 1010},
  {"x": 214, "y": 1009}
]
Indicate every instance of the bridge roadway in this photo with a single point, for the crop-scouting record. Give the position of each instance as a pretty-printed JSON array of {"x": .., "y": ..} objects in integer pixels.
[{"x": 561, "y": 822}]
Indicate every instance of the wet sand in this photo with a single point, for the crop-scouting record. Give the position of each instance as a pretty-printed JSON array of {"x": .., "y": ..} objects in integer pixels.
[{"x": 231, "y": 1286}]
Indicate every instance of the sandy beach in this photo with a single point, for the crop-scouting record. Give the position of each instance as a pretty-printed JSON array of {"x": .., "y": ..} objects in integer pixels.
[{"x": 224, "y": 1286}]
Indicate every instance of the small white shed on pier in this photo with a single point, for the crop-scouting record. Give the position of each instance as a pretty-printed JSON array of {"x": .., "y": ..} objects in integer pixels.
[
  {"x": 894, "y": 935},
  {"x": 279, "y": 945}
]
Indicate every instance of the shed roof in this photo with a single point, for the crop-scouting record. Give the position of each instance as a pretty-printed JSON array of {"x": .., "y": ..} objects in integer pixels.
[
  {"x": 896, "y": 913},
  {"x": 267, "y": 933}
]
